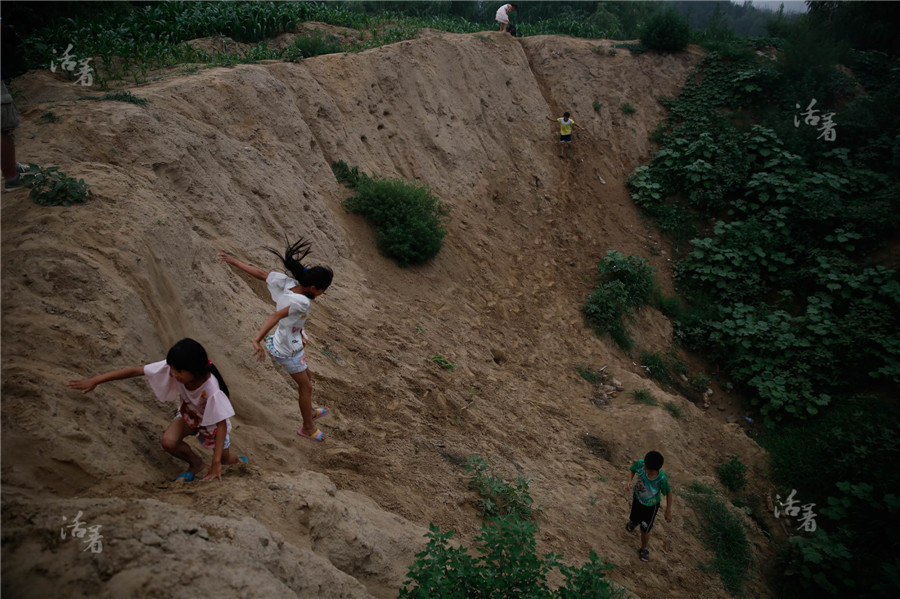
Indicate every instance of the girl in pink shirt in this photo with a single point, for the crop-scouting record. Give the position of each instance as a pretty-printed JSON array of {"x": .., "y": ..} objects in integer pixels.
[{"x": 186, "y": 375}]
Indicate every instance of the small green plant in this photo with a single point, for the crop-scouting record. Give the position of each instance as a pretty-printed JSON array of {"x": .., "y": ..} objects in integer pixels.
[
  {"x": 49, "y": 117},
  {"x": 51, "y": 187},
  {"x": 613, "y": 51},
  {"x": 644, "y": 396},
  {"x": 733, "y": 474},
  {"x": 443, "y": 362},
  {"x": 498, "y": 497},
  {"x": 674, "y": 409},
  {"x": 590, "y": 375},
  {"x": 597, "y": 106},
  {"x": 410, "y": 221},
  {"x": 628, "y": 109},
  {"x": 700, "y": 382}
]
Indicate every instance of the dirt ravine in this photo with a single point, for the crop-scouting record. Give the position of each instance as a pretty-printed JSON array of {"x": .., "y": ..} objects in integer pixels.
[{"x": 235, "y": 158}]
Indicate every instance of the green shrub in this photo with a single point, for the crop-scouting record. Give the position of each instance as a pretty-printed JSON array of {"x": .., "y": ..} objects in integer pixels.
[
  {"x": 643, "y": 396},
  {"x": 597, "y": 106},
  {"x": 51, "y": 187},
  {"x": 314, "y": 43},
  {"x": 498, "y": 497},
  {"x": 604, "y": 310},
  {"x": 733, "y": 474},
  {"x": 344, "y": 174},
  {"x": 658, "y": 366},
  {"x": 666, "y": 31},
  {"x": 410, "y": 221},
  {"x": 628, "y": 109},
  {"x": 507, "y": 567}
]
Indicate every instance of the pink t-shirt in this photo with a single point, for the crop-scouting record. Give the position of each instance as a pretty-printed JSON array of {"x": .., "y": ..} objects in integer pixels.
[{"x": 203, "y": 407}]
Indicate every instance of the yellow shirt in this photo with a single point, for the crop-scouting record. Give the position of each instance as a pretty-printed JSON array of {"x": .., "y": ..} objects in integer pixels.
[{"x": 565, "y": 127}]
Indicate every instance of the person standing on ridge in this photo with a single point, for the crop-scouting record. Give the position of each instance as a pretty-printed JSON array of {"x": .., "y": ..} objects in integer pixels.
[{"x": 503, "y": 15}]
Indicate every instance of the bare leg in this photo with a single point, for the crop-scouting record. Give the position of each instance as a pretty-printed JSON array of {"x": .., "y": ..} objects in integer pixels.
[
  {"x": 229, "y": 458},
  {"x": 8, "y": 150},
  {"x": 645, "y": 539},
  {"x": 173, "y": 442},
  {"x": 305, "y": 387}
]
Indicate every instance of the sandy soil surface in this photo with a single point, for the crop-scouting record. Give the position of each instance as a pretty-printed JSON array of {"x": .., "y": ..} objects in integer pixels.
[{"x": 236, "y": 158}]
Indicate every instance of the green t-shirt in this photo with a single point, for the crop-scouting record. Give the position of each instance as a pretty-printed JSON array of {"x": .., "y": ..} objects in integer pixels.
[{"x": 649, "y": 491}]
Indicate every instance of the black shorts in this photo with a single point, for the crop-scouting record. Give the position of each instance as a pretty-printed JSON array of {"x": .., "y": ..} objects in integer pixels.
[
  {"x": 565, "y": 138},
  {"x": 643, "y": 514}
]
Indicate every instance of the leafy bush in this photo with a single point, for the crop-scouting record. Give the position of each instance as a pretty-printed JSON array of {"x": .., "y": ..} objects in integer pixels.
[
  {"x": 443, "y": 362},
  {"x": 666, "y": 31},
  {"x": 51, "y": 187},
  {"x": 499, "y": 499},
  {"x": 409, "y": 219},
  {"x": 659, "y": 367},
  {"x": 507, "y": 567},
  {"x": 723, "y": 533},
  {"x": 344, "y": 174},
  {"x": 733, "y": 474},
  {"x": 628, "y": 109},
  {"x": 604, "y": 310},
  {"x": 314, "y": 43}
]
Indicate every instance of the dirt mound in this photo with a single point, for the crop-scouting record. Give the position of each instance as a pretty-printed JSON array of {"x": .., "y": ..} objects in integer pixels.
[{"x": 232, "y": 159}]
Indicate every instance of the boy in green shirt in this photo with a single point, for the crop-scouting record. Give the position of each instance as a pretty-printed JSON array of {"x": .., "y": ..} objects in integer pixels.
[{"x": 650, "y": 485}]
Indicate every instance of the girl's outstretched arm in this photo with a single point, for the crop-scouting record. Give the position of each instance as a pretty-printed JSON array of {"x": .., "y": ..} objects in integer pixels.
[
  {"x": 270, "y": 322},
  {"x": 250, "y": 270},
  {"x": 87, "y": 385}
]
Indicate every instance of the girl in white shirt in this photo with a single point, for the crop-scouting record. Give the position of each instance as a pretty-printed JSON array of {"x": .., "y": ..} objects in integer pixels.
[
  {"x": 292, "y": 297},
  {"x": 502, "y": 16},
  {"x": 186, "y": 375}
]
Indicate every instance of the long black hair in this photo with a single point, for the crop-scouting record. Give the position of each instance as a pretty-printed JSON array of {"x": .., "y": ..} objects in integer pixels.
[
  {"x": 319, "y": 277},
  {"x": 189, "y": 355}
]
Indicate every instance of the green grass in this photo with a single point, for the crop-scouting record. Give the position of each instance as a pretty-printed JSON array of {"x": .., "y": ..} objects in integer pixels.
[
  {"x": 645, "y": 397},
  {"x": 590, "y": 375},
  {"x": 443, "y": 362},
  {"x": 733, "y": 474},
  {"x": 723, "y": 533},
  {"x": 674, "y": 409},
  {"x": 628, "y": 109}
]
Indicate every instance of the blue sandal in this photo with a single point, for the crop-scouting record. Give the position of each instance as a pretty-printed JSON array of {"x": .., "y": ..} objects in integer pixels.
[{"x": 187, "y": 476}]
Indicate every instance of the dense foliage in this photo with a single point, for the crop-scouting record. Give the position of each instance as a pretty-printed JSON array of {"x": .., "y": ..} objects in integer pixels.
[
  {"x": 410, "y": 221},
  {"x": 666, "y": 31},
  {"x": 624, "y": 284},
  {"x": 787, "y": 205},
  {"x": 507, "y": 564},
  {"x": 52, "y": 187}
]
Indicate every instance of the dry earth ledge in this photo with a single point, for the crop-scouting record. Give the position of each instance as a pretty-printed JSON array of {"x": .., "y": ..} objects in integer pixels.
[{"x": 231, "y": 159}]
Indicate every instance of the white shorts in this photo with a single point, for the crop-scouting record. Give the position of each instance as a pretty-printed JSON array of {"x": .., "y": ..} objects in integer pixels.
[{"x": 293, "y": 364}]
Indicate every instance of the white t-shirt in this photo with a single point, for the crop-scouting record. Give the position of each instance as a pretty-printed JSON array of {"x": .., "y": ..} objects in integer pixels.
[
  {"x": 288, "y": 337},
  {"x": 203, "y": 407},
  {"x": 503, "y": 13}
]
